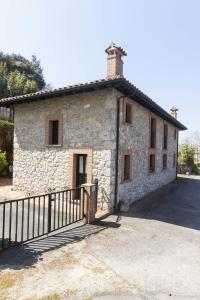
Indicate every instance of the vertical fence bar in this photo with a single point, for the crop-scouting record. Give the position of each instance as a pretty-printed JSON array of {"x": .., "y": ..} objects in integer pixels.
[
  {"x": 66, "y": 209},
  {"x": 62, "y": 207},
  {"x": 54, "y": 216},
  {"x": 58, "y": 210},
  {"x": 39, "y": 218},
  {"x": 43, "y": 214},
  {"x": 10, "y": 224},
  {"x": 73, "y": 205},
  {"x": 28, "y": 219},
  {"x": 49, "y": 213},
  {"x": 16, "y": 223},
  {"x": 70, "y": 210},
  {"x": 3, "y": 229},
  {"x": 33, "y": 229},
  {"x": 22, "y": 225}
]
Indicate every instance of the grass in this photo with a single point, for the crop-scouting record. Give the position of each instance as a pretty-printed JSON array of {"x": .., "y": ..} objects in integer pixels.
[{"x": 9, "y": 279}]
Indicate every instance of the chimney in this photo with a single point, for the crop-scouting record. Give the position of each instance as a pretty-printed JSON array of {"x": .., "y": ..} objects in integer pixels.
[
  {"x": 114, "y": 61},
  {"x": 174, "y": 112}
]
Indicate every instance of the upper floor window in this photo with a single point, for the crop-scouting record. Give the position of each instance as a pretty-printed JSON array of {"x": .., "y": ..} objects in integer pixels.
[
  {"x": 175, "y": 134},
  {"x": 153, "y": 133},
  {"x": 165, "y": 136},
  {"x": 53, "y": 132},
  {"x": 128, "y": 113},
  {"x": 54, "y": 129}
]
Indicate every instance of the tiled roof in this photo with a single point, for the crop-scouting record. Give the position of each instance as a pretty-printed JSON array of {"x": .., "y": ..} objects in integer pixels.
[{"x": 119, "y": 83}]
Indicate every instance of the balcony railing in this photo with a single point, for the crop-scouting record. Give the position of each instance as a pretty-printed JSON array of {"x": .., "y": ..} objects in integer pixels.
[{"x": 6, "y": 114}]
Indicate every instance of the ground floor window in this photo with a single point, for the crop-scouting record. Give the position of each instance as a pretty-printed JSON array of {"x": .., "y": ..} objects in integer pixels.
[
  {"x": 164, "y": 161},
  {"x": 127, "y": 167},
  {"x": 152, "y": 163}
]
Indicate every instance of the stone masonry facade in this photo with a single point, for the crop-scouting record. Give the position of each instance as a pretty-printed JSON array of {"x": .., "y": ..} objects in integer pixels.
[
  {"x": 89, "y": 126},
  {"x": 135, "y": 138}
]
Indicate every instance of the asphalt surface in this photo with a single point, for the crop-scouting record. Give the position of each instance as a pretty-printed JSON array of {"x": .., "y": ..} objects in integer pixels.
[{"x": 152, "y": 252}]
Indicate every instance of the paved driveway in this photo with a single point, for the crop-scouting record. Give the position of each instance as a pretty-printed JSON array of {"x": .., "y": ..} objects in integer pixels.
[{"x": 152, "y": 252}]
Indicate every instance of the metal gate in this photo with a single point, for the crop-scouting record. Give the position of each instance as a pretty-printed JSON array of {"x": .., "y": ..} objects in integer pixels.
[{"x": 25, "y": 219}]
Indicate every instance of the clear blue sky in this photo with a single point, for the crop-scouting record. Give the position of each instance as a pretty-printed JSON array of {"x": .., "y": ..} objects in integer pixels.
[{"x": 162, "y": 39}]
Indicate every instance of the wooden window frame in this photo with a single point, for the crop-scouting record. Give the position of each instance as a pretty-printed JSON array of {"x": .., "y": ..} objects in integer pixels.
[
  {"x": 124, "y": 154},
  {"x": 130, "y": 104},
  {"x": 152, "y": 153},
  {"x": 165, "y": 136},
  {"x": 54, "y": 117},
  {"x": 175, "y": 134},
  {"x": 164, "y": 162},
  {"x": 152, "y": 117}
]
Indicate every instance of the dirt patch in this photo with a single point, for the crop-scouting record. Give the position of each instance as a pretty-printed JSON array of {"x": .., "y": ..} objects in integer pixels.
[{"x": 5, "y": 181}]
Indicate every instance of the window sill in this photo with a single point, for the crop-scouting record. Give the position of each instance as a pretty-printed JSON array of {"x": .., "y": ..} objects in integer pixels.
[
  {"x": 152, "y": 172},
  {"x": 53, "y": 146},
  {"x": 126, "y": 181},
  {"x": 128, "y": 124}
]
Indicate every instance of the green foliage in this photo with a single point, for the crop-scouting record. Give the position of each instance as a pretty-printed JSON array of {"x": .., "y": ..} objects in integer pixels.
[
  {"x": 6, "y": 134},
  {"x": 186, "y": 156},
  {"x": 3, "y": 161},
  {"x": 19, "y": 75},
  {"x": 196, "y": 170}
]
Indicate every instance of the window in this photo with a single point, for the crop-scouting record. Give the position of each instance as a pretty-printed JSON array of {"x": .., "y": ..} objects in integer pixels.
[
  {"x": 165, "y": 138},
  {"x": 175, "y": 134},
  {"x": 164, "y": 161},
  {"x": 54, "y": 129},
  {"x": 53, "y": 132},
  {"x": 153, "y": 133},
  {"x": 128, "y": 113},
  {"x": 152, "y": 161},
  {"x": 127, "y": 167},
  {"x": 174, "y": 160}
]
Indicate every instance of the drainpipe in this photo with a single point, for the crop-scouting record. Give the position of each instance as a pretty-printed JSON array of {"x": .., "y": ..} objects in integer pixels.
[
  {"x": 177, "y": 155},
  {"x": 117, "y": 153}
]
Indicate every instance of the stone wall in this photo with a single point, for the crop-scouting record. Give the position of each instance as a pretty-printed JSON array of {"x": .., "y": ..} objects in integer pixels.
[
  {"x": 137, "y": 138},
  {"x": 88, "y": 123}
]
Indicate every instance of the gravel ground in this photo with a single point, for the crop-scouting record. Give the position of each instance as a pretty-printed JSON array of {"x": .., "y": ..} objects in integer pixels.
[{"x": 152, "y": 252}]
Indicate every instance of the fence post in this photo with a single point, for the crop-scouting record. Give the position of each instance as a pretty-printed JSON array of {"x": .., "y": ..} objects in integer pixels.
[
  {"x": 49, "y": 213},
  {"x": 90, "y": 191}
]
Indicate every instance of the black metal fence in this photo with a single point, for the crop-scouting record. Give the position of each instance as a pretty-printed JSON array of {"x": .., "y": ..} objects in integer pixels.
[
  {"x": 6, "y": 114},
  {"x": 25, "y": 219}
]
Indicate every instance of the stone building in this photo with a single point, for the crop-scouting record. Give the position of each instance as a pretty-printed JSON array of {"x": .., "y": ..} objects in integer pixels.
[{"x": 105, "y": 129}]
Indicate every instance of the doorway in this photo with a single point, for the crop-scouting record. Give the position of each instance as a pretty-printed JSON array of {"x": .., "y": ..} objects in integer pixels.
[{"x": 81, "y": 170}]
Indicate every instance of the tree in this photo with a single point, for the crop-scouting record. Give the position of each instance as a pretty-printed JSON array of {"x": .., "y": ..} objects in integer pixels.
[
  {"x": 194, "y": 140},
  {"x": 186, "y": 156},
  {"x": 19, "y": 75}
]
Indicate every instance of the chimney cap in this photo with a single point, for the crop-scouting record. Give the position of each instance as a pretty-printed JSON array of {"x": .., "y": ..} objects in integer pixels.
[
  {"x": 174, "y": 109},
  {"x": 113, "y": 46}
]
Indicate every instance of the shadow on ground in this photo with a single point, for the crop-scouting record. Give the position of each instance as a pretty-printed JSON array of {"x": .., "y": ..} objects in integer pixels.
[
  {"x": 177, "y": 203},
  {"x": 27, "y": 255}
]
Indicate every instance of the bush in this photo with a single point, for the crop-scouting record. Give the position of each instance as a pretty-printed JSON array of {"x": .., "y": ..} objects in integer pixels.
[
  {"x": 196, "y": 170},
  {"x": 3, "y": 164},
  {"x": 6, "y": 139}
]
